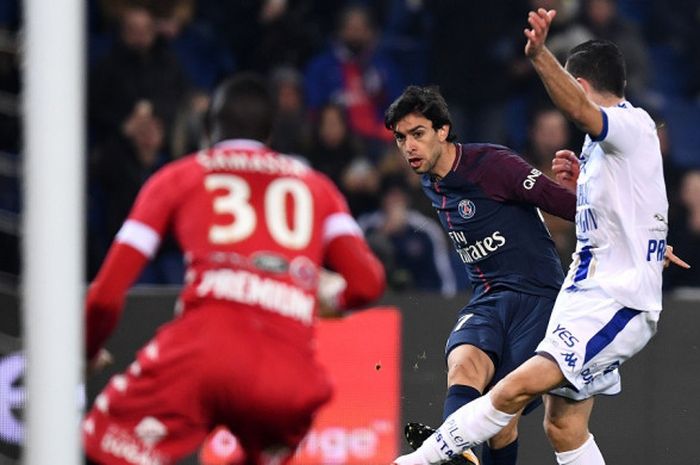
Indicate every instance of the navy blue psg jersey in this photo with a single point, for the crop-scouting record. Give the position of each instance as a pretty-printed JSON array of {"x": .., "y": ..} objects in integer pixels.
[{"x": 488, "y": 204}]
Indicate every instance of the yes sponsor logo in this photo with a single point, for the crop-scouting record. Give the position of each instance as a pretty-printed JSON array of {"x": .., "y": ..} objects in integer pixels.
[{"x": 565, "y": 335}]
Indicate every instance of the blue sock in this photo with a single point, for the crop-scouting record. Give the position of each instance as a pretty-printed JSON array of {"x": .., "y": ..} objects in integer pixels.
[
  {"x": 458, "y": 395},
  {"x": 506, "y": 456}
]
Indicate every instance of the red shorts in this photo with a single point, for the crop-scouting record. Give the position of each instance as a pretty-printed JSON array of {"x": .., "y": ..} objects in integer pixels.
[{"x": 252, "y": 371}]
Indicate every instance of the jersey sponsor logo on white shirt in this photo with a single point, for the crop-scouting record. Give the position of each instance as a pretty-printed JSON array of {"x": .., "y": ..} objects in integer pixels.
[{"x": 251, "y": 289}]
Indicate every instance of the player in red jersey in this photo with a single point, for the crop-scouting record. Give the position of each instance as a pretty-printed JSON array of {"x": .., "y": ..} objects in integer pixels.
[{"x": 255, "y": 227}]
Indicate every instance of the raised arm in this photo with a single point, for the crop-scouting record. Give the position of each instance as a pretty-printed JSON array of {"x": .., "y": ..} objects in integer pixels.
[{"x": 566, "y": 92}]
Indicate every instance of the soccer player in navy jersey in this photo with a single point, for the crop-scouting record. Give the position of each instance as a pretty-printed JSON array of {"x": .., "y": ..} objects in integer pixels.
[
  {"x": 611, "y": 300},
  {"x": 488, "y": 200}
]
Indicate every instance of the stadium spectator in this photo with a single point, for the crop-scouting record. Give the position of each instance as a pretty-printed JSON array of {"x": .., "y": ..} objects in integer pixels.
[
  {"x": 353, "y": 72},
  {"x": 334, "y": 146},
  {"x": 406, "y": 35},
  {"x": 610, "y": 302},
  {"x": 602, "y": 19},
  {"x": 338, "y": 153},
  {"x": 487, "y": 199},
  {"x": 195, "y": 45},
  {"x": 549, "y": 132},
  {"x": 266, "y": 34},
  {"x": 469, "y": 60},
  {"x": 256, "y": 227},
  {"x": 138, "y": 67},
  {"x": 291, "y": 132},
  {"x": 121, "y": 166},
  {"x": 412, "y": 246}
]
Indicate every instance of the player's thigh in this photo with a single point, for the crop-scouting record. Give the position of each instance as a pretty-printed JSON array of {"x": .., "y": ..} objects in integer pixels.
[
  {"x": 566, "y": 421},
  {"x": 526, "y": 324},
  {"x": 470, "y": 366},
  {"x": 478, "y": 335},
  {"x": 536, "y": 376}
]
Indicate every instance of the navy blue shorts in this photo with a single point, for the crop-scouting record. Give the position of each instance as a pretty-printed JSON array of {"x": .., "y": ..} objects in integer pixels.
[{"x": 507, "y": 325}]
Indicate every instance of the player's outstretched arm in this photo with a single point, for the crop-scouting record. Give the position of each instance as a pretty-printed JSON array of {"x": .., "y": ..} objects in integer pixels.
[
  {"x": 106, "y": 294},
  {"x": 564, "y": 90},
  {"x": 351, "y": 257}
]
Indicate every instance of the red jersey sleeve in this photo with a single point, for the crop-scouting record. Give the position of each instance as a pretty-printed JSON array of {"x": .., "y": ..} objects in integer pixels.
[
  {"x": 135, "y": 243},
  {"x": 347, "y": 253}
]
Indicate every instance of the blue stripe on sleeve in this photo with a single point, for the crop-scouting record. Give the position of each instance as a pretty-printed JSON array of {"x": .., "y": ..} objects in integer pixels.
[{"x": 603, "y": 132}]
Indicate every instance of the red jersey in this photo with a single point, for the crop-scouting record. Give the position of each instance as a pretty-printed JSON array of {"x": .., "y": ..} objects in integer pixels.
[{"x": 254, "y": 226}]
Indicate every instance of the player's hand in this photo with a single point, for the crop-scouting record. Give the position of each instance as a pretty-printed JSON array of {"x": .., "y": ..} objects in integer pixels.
[
  {"x": 330, "y": 287},
  {"x": 99, "y": 362},
  {"x": 540, "y": 22},
  {"x": 670, "y": 257},
  {"x": 566, "y": 168}
]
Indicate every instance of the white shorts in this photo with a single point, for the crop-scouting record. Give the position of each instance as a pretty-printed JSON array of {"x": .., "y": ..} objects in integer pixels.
[{"x": 589, "y": 336}]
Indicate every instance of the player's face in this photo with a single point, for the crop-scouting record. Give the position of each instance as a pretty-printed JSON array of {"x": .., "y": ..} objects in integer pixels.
[{"x": 421, "y": 145}]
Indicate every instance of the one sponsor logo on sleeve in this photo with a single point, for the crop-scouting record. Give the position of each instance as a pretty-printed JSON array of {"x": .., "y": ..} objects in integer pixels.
[{"x": 529, "y": 181}]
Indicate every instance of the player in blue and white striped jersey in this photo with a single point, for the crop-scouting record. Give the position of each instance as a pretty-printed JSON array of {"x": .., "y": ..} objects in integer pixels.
[{"x": 609, "y": 304}]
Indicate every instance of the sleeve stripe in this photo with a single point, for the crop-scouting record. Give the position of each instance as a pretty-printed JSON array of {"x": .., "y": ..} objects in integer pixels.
[
  {"x": 340, "y": 224},
  {"x": 603, "y": 132},
  {"x": 139, "y": 236}
]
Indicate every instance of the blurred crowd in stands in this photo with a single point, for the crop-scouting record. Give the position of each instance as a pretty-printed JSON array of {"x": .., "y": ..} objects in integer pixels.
[{"x": 335, "y": 66}]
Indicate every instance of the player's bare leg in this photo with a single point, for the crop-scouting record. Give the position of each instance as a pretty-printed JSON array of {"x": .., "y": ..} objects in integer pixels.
[
  {"x": 468, "y": 365},
  {"x": 566, "y": 426},
  {"x": 483, "y": 418}
]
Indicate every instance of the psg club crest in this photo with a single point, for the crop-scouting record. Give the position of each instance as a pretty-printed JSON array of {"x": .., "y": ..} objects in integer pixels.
[{"x": 466, "y": 209}]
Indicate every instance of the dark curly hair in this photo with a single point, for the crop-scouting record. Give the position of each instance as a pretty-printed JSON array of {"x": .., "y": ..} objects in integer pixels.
[{"x": 426, "y": 101}]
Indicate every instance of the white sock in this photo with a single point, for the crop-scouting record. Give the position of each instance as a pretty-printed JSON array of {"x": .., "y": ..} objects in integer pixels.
[
  {"x": 467, "y": 427},
  {"x": 587, "y": 454}
]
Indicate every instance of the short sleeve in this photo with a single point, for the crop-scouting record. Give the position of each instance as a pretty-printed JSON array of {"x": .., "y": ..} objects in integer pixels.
[
  {"x": 157, "y": 200},
  {"x": 336, "y": 218},
  {"x": 623, "y": 128}
]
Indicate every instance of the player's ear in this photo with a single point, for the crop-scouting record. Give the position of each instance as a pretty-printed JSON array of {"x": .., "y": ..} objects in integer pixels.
[{"x": 443, "y": 132}]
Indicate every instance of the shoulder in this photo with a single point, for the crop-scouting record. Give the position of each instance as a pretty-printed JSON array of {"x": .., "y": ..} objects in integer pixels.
[
  {"x": 479, "y": 152},
  {"x": 490, "y": 158},
  {"x": 176, "y": 176},
  {"x": 625, "y": 126}
]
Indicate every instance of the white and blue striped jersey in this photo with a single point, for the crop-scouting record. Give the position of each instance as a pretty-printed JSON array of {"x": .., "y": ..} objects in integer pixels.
[{"x": 621, "y": 211}]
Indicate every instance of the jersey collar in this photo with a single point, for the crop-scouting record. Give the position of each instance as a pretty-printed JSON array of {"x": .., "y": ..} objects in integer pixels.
[{"x": 249, "y": 144}]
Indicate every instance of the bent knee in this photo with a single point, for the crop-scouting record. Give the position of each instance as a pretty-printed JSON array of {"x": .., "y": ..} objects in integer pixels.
[
  {"x": 468, "y": 365},
  {"x": 565, "y": 433}
]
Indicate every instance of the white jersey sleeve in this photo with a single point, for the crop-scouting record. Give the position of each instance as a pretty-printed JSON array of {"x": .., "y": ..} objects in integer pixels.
[{"x": 621, "y": 211}]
